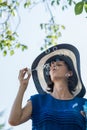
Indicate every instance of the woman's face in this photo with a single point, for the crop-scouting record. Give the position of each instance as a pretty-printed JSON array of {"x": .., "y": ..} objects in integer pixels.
[{"x": 58, "y": 70}]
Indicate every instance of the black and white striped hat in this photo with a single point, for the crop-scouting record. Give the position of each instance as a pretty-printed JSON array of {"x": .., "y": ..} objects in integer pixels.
[{"x": 64, "y": 50}]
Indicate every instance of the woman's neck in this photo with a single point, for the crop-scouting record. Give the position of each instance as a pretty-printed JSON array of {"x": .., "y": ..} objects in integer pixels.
[{"x": 60, "y": 91}]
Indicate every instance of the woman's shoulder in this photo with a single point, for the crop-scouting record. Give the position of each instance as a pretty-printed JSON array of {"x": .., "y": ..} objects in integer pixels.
[
  {"x": 81, "y": 99},
  {"x": 38, "y": 101}
]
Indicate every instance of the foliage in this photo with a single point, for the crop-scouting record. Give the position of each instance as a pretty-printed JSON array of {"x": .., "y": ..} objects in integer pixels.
[
  {"x": 9, "y": 10},
  {"x": 80, "y": 6},
  {"x": 52, "y": 32},
  {"x": 8, "y": 37}
]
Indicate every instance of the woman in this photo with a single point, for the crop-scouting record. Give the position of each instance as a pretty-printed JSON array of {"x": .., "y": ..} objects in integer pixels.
[{"x": 59, "y": 104}]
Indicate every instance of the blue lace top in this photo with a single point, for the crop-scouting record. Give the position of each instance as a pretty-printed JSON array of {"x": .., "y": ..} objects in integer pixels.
[{"x": 50, "y": 113}]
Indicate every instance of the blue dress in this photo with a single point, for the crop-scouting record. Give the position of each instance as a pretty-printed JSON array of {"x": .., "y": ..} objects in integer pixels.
[{"x": 49, "y": 113}]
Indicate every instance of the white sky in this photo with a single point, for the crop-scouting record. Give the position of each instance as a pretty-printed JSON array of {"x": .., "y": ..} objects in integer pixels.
[{"x": 30, "y": 34}]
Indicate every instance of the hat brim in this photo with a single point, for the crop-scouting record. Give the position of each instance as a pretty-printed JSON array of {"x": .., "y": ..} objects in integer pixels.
[{"x": 60, "y": 49}]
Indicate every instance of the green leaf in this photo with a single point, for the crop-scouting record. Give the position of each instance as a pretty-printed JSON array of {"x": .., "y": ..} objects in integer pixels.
[
  {"x": 27, "y": 4},
  {"x": 70, "y": 2},
  {"x": 18, "y": 45},
  {"x": 85, "y": 6},
  {"x": 79, "y": 8},
  {"x": 53, "y": 1},
  {"x": 0, "y": 14},
  {"x": 1, "y": 48},
  {"x": 62, "y": 26},
  {"x": 58, "y": 2},
  {"x": 41, "y": 26},
  {"x": 4, "y": 53},
  {"x": 49, "y": 36},
  {"x": 17, "y": 3},
  {"x": 9, "y": 32},
  {"x": 4, "y": 4},
  {"x": 7, "y": 42},
  {"x": 12, "y": 38},
  {"x": 24, "y": 47},
  {"x": 50, "y": 43},
  {"x": 59, "y": 34},
  {"x": 15, "y": 34},
  {"x": 64, "y": 7},
  {"x": 13, "y": 12},
  {"x": 41, "y": 48},
  {"x": 11, "y": 52}
]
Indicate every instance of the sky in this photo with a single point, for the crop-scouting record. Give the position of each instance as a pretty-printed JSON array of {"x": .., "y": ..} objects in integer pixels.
[{"x": 31, "y": 35}]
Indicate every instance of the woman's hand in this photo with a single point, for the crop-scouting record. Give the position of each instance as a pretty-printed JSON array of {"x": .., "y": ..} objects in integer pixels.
[{"x": 24, "y": 76}]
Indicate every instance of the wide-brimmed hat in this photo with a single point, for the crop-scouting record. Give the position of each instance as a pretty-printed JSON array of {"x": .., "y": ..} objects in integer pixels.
[{"x": 40, "y": 66}]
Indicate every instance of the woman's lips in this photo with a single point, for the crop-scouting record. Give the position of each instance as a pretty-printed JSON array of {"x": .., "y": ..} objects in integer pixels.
[{"x": 54, "y": 69}]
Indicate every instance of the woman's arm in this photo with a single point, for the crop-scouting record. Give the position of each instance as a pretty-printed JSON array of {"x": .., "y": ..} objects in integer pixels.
[{"x": 18, "y": 114}]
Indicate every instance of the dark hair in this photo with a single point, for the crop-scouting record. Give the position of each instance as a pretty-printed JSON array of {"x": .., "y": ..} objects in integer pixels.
[{"x": 72, "y": 80}]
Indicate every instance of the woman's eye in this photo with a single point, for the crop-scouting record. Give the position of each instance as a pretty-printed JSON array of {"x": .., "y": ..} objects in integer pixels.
[{"x": 59, "y": 64}]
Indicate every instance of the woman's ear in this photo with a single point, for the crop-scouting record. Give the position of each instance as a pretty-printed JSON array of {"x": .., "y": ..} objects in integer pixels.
[{"x": 70, "y": 73}]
